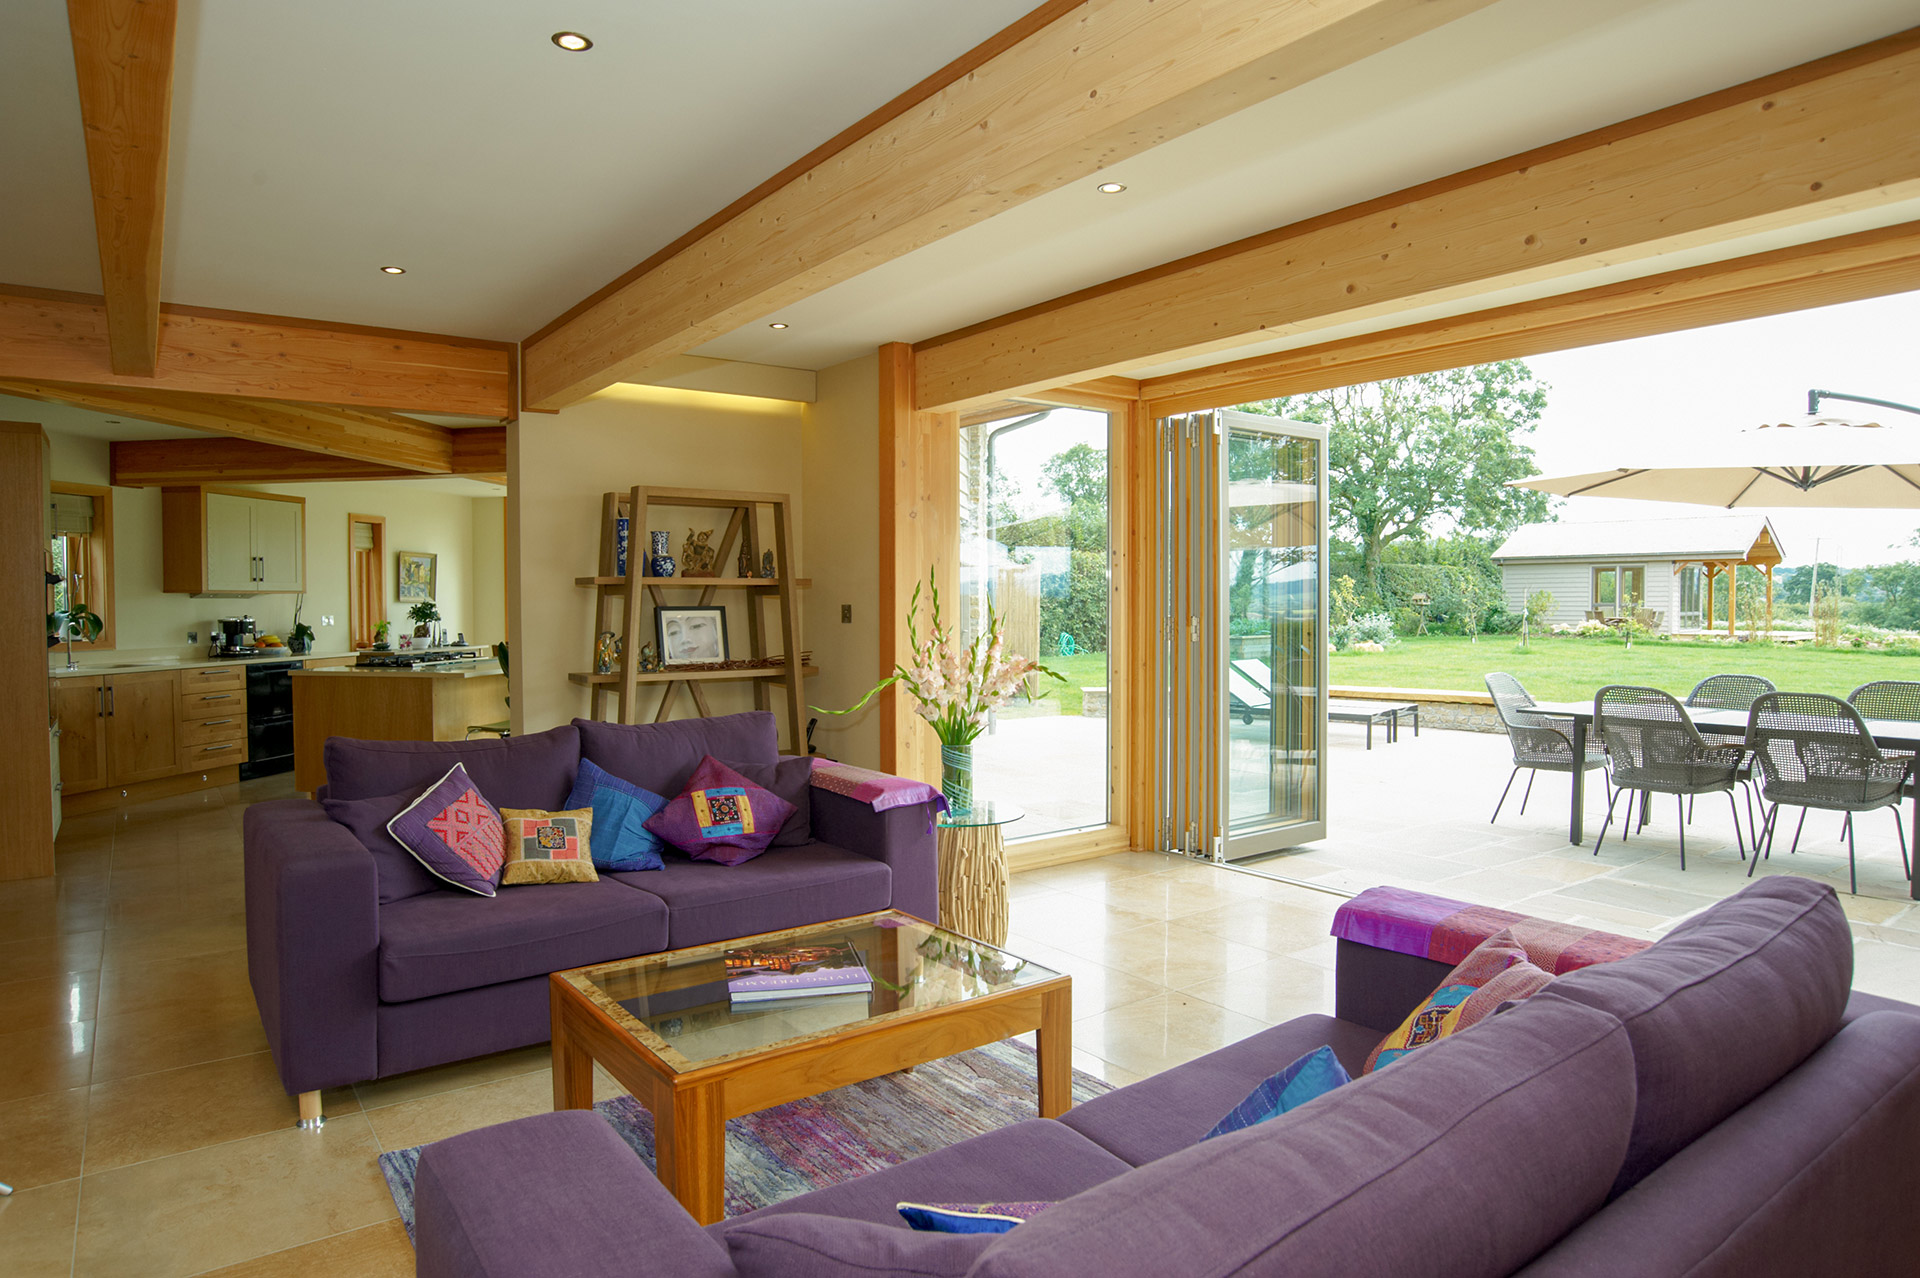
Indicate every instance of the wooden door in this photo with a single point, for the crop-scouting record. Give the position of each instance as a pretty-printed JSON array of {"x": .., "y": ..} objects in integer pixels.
[
  {"x": 277, "y": 545},
  {"x": 80, "y": 705},
  {"x": 142, "y": 734},
  {"x": 230, "y": 554}
]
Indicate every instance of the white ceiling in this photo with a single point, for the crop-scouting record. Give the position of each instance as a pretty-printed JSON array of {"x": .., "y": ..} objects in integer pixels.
[{"x": 315, "y": 142}]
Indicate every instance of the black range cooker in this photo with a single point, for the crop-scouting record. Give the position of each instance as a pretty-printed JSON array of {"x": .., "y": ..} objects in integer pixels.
[{"x": 269, "y": 718}]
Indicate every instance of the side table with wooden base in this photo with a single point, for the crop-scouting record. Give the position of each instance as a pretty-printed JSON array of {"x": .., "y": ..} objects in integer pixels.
[
  {"x": 973, "y": 870},
  {"x": 663, "y": 1026}
]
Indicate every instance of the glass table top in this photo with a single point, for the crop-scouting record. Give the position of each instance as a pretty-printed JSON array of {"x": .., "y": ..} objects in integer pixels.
[
  {"x": 678, "y": 1006},
  {"x": 984, "y": 812}
]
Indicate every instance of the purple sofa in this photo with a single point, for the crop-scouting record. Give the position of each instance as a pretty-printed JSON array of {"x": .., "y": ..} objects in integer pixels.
[
  {"x": 1718, "y": 1104},
  {"x": 364, "y": 966}
]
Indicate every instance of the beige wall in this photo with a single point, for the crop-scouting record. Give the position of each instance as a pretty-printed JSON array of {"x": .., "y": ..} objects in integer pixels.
[
  {"x": 489, "y": 562},
  {"x": 560, "y": 464},
  {"x": 150, "y": 622},
  {"x": 840, "y": 467}
]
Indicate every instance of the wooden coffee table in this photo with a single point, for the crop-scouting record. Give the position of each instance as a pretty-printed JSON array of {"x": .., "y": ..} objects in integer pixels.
[{"x": 662, "y": 1025}]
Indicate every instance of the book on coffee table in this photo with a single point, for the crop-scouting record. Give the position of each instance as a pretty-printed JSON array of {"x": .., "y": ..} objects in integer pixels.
[{"x": 767, "y": 973}]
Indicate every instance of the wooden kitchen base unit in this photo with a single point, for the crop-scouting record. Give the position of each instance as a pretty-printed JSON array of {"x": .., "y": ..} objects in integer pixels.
[
  {"x": 120, "y": 796},
  {"x": 436, "y": 704}
]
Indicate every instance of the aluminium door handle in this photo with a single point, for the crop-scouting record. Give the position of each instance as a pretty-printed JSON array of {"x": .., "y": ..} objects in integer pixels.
[
  {"x": 109, "y": 701},
  {"x": 214, "y": 723},
  {"x": 216, "y": 696}
]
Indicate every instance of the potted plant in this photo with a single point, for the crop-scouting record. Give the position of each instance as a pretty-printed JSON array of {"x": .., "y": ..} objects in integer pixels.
[
  {"x": 956, "y": 688},
  {"x": 300, "y": 638},
  {"x": 67, "y": 624},
  {"x": 380, "y": 633},
  {"x": 423, "y": 615}
]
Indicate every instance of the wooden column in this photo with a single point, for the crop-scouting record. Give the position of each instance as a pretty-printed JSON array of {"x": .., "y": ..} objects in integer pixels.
[
  {"x": 26, "y": 783},
  {"x": 1706, "y": 622},
  {"x": 1769, "y": 572},
  {"x": 1733, "y": 596}
]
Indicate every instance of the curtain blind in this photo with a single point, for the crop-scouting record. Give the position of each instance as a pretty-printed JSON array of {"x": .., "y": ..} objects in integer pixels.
[{"x": 72, "y": 514}]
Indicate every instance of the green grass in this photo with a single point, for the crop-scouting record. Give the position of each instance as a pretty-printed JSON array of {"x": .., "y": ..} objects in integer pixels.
[
  {"x": 1563, "y": 668},
  {"x": 1083, "y": 670}
]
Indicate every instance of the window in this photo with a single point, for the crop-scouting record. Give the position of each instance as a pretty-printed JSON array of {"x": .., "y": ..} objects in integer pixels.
[
  {"x": 1617, "y": 588},
  {"x": 80, "y": 552}
]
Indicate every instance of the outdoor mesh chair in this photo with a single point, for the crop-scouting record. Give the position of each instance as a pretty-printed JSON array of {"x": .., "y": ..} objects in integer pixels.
[
  {"x": 1653, "y": 747},
  {"x": 1731, "y": 692},
  {"x": 1815, "y": 752},
  {"x": 1540, "y": 742}
]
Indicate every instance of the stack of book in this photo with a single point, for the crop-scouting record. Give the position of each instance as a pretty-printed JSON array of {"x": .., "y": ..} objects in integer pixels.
[{"x": 770, "y": 973}]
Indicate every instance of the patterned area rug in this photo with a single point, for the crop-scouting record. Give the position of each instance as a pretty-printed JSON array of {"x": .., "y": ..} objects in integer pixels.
[{"x": 809, "y": 1144}]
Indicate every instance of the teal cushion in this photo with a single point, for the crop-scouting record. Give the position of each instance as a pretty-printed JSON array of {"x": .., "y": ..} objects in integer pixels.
[
  {"x": 1315, "y": 1074},
  {"x": 621, "y": 840}
]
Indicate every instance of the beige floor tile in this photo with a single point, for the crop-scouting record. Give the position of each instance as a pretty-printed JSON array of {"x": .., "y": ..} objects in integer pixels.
[
  {"x": 169, "y": 1112},
  {"x": 1158, "y": 1033},
  {"x": 1171, "y": 896},
  {"x": 445, "y": 1078},
  {"x": 167, "y": 1037},
  {"x": 1867, "y": 909},
  {"x": 1098, "y": 989},
  {"x": 130, "y": 986},
  {"x": 228, "y": 1203},
  {"x": 1079, "y": 925},
  {"x": 49, "y": 1000},
  {"x": 41, "y": 1138},
  {"x": 51, "y": 907},
  {"x": 36, "y": 1231},
  {"x": 160, "y": 942},
  {"x": 376, "y": 1251},
  {"x": 51, "y": 955},
  {"x": 1170, "y": 954},
  {"x": 45, "y": 1058},
  {"x": 1275, "y": 928},
  {"x": 1275, "y": 991},
  {"x": 1892, "y": 971},
  {"x": 1104, "y": 1070},
  {"x": 445, "y": 1114}
]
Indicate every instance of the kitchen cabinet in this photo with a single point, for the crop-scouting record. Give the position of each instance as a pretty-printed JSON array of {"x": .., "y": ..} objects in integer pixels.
[
  {"x": 117, "y": 730},
  {"x": 80, "y": 707},
  {"x": 217, "y": 541}
]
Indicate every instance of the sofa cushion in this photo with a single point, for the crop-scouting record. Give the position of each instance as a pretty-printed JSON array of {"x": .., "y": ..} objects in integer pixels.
[
  {"x": 662, "y": 756},
  {"x": 548, "y": 847},
  {"x": 446, "y": 941},
  {"x": 721, "y": 816},
  {"x": 399, "y": 873},
  {"x": 802, "y": 1245},
  {"x": 455, "y": 833},
  {"x": 621, "y": 839},
  {"x": 520, "y": 772},
  {"x": 1495, "y": 971},
  {"x": 1309, "y": 1078},
  {"x": 785, "y": 888},
  {"x": 1722, "y": 1007},
  {"x": 792, "y": 780},
  {"x": 1035, "y": 1161},
  {"x": 1168, "y": 1112},
  {"x": 1465, "y": 1159}
]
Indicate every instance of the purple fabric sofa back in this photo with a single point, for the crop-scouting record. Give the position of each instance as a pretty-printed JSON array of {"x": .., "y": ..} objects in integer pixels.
[
  {"x": 662, "y": 756},
  {"x": 520, "y": 772}
]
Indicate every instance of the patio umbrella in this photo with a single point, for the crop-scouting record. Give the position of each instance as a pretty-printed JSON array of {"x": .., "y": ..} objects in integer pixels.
[{"x": 1816, "y": 461}]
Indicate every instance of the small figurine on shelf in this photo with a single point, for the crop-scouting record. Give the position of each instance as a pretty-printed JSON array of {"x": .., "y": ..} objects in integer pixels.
[
  {"x": 603, "y": 653},
  {"x": 746, "y": 562},
  {"x": 661, "y": 563},
  {"x": 696, "y": 556},
  {"x": 766, "y": 564},
  {"x": 648, "y": 662}
]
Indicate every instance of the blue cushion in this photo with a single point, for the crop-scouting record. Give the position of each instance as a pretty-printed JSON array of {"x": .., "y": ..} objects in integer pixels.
[
  {"x": 969, "y": 1218},
  {"x": 1315, "y": 1074},
  {"x": 621, "y": 840}
]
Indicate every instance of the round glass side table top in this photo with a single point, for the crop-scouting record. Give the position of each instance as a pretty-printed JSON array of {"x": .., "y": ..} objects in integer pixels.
[{"x": 983, "y": 812}]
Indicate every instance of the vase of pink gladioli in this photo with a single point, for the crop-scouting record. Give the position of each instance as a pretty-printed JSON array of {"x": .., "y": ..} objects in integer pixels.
[{"x": 954, "y": 688}]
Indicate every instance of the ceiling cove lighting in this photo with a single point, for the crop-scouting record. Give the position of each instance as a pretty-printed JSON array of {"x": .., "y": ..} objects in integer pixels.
[
  {"x": 776, "y": 324},
  {"x": 572, "y": 41},
  {"x": 393, "y": 270},
  {"x": 1110, "y": 188}
]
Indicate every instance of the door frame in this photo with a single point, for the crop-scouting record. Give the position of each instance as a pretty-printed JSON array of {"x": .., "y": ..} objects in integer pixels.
[{"x": 379, "y": 593}]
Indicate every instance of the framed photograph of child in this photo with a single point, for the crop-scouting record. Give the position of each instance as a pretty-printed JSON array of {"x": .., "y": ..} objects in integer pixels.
[{"x": 691, "y": 634}]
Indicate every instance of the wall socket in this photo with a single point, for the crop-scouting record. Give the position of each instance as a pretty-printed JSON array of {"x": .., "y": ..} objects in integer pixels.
[
  {"x": 846, "y": 613},
  {"x": 327, "y": 620},
  {"x": 193, "y": 636}
]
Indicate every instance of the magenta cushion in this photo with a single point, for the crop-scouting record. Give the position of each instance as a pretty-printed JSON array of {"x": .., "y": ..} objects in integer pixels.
[
  {"x": 455, "y": 833},
  {"x": 721, "y": 816}
]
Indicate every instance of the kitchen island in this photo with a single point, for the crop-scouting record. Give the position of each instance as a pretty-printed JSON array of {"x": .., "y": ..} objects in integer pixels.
[{"x": 429, "y": 703}]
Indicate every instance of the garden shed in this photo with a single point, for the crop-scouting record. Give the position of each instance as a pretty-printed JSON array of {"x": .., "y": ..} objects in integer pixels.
[{"x": 1659, "y": 569}]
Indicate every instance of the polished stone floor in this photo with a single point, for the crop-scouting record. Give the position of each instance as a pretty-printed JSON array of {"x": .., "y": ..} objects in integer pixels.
[{"x": 142, "y": 1123}]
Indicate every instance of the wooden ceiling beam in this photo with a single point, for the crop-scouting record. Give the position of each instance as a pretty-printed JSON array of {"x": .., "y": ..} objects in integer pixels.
[
  {"x": 1837, "y": 135},
  {"x": 1075, "y": 86},
  {"x": 479, "y": 452},
  {"x": 1848, "y": 268},
  {"x": 123, "y": 58},
  {"x": 397, "y": 442},
  {"x": 63, "y": 337}
]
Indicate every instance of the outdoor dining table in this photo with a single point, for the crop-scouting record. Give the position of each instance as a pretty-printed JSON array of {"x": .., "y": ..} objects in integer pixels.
[{"x": 1888, "y": 734}]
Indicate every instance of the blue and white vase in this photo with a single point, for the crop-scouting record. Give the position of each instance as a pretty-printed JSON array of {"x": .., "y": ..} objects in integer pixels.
[
  {"x": 661, "y": 564},
  {"x": 620, "y": 537}
]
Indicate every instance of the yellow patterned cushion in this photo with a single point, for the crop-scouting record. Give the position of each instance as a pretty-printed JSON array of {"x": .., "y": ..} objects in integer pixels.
[
  {"x": 548, "y": 847},
  {"x": 1496, "y": 971}
]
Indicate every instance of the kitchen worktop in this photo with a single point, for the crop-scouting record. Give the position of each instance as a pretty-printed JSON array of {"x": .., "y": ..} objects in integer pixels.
[
  {"x": 98, "y": 668},
  {"x": 478, "y": 669}
]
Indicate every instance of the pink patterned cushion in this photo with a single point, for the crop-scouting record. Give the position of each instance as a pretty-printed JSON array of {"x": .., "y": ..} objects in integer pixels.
[
  {"x": 455, "y": 833},
  {"x": 721, "y": 816},
  {"x": 1497, "y": 971}
]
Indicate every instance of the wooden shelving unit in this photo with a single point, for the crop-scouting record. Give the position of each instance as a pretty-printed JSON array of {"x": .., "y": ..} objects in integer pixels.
[{"x": 628, "y": 612}]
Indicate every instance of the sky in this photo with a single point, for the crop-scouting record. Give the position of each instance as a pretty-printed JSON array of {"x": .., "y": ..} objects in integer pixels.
[{"x": 1621, "y": 403}]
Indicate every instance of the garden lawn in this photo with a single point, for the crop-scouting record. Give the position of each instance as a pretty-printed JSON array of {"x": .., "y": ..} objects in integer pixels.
[
  {"x": 1082, "y": 670},
  {"x": 1565, "y": 668}
]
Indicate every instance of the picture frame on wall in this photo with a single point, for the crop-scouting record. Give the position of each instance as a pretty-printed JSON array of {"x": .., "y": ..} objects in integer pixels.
[
  {"x": 691, "y": 634},
  {"x": 417, "y": 574}
]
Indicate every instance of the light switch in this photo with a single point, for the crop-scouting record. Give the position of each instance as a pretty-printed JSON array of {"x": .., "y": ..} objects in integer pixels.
[{"x": 846, "y": 613}]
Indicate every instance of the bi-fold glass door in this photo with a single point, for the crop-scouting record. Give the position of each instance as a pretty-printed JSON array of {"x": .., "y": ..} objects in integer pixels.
[{"x": 1242, "y": 692}]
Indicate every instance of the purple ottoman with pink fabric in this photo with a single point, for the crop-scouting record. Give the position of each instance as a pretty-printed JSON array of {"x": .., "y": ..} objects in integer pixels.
[
  {"x": 366, "y": 965},
  {"x": 1717, "y": 1104}
]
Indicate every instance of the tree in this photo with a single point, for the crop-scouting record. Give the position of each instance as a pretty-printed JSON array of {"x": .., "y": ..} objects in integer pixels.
[
  {"x": 1079, "y": 475},
  {"x": 1409, "y": 455}
]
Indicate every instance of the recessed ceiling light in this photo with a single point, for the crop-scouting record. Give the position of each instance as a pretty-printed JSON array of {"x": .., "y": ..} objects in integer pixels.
[
  {"x": 1110, "y": 188},
  {"x": 572, "y": 41},
  {"x": 776, "y": 324},
  {"x": 393, "y": 270}
]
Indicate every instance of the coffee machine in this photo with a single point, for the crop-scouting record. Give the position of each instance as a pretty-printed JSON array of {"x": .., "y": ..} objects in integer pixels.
[{"x": 232, "y": 636}]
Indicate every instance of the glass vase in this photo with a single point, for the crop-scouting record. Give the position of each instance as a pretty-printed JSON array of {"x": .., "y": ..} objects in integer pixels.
[{"x": 956, "y": 776}]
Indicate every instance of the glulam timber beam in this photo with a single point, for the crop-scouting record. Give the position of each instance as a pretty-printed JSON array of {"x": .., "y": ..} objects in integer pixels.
[
  {"x": 479, "y": 452},
  {"x": 123, "y": 59},
  {"x": 397, "y": 442},
  {"x": 1847, "y": 268},
  {"x": 64, "y": 337},
  {"x": 1075, "y": 86},
  {"x": 1838, "y": 135}
]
